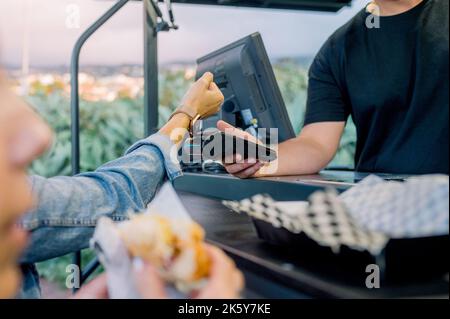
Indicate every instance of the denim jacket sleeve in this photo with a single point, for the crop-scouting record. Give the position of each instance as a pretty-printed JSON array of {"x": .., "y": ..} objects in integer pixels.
[{"x": 68, "y": 207}]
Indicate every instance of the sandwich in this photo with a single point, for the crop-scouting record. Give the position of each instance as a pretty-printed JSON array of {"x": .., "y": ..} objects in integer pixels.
[{"x": 174, "y": 247}]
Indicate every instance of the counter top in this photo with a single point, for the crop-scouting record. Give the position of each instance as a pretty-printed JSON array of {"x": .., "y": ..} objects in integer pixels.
[{"x": 271, "y": 271}]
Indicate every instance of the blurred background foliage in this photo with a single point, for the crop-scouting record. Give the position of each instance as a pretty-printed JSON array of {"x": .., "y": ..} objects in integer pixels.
[{"x": 108, "y": 128}]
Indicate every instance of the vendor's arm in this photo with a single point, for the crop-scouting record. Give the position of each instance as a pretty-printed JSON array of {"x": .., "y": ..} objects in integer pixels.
[
  {"x": 308, "y": 153},
  {"x": 327, "y": 111}
]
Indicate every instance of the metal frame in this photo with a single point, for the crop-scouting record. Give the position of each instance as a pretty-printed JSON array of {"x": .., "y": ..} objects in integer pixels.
[
  {"x": 314, "y": 5},
  {"x": 151, "y": 99},
  {"x": 151, "y": 95}
]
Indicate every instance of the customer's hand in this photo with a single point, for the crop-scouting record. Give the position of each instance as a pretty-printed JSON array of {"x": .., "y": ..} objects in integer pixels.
[
  {"x": 204, "y": 98},
  {"x": 96, "y": 289},
  {"x": 225, "y": 280},
  {"x": 147, "y": 281},
  {"x": 234, "y": 164}
]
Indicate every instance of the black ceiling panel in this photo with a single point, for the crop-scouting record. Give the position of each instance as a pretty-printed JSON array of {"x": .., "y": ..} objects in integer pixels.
[{"x": 318, "y": 5}]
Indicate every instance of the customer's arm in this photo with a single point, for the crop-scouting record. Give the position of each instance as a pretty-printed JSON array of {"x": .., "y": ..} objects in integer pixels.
[{"x": 67, "y": 208}]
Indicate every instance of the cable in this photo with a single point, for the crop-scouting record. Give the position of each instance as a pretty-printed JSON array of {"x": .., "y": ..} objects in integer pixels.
[{"x": 171, "y": 15}]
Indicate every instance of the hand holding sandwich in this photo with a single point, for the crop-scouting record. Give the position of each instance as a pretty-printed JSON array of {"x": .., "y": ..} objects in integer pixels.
[{"x": 225, "y": 281}]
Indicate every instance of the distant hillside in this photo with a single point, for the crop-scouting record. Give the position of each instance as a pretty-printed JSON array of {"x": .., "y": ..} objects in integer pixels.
[{"x": 134, "y": 70}]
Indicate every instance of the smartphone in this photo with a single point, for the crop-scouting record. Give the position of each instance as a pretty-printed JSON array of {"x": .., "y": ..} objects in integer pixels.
[{"x": 220, "y": 145}]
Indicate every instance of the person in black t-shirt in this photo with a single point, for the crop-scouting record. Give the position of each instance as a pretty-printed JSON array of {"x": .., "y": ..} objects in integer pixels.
[{"x": 387, "y": 68}]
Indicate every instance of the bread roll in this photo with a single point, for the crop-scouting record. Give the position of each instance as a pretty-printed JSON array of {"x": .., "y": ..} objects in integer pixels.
[{"x": 175, "y": 248}]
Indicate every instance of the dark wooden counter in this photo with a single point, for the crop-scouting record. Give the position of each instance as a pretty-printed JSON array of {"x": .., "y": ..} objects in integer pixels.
[{"x": 273, "y": 272}]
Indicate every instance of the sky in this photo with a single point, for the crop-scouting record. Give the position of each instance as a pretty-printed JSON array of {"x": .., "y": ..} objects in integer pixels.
[{"x": 54, "y": 27}]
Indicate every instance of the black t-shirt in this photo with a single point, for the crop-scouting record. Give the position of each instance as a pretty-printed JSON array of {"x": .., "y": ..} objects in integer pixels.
[{"x": 393, "y": 81}]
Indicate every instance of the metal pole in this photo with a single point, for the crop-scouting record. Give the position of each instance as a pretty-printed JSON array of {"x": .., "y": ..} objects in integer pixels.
[
  {"x": 74, "y": 94},
  {"x": 151, "y": 97}
]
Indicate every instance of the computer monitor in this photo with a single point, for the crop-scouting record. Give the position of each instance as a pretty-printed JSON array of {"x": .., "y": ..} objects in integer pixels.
[{"x": 253, "y": 99}]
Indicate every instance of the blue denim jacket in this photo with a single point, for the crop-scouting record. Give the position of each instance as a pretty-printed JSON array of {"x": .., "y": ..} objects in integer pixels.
[{"x": 68, "y": 207}]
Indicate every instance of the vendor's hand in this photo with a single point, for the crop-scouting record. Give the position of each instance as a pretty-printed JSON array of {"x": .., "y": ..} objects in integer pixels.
[
  {"x": 235, "y": 165},
  {"x": 225, "y": 280},
  {"x": 203, "y": 98}
]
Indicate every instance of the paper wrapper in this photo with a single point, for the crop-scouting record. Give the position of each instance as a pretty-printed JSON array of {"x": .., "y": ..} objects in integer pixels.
[
  {"x": 323, "y": 219},
  {"x": 415, "y": 208},
  {"x": 114, "y": 256},
  {"x": 364, "y": 217}
]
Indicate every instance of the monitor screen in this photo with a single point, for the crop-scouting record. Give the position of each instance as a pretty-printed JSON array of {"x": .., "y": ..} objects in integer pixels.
[{"x": 253, "y": 99}]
